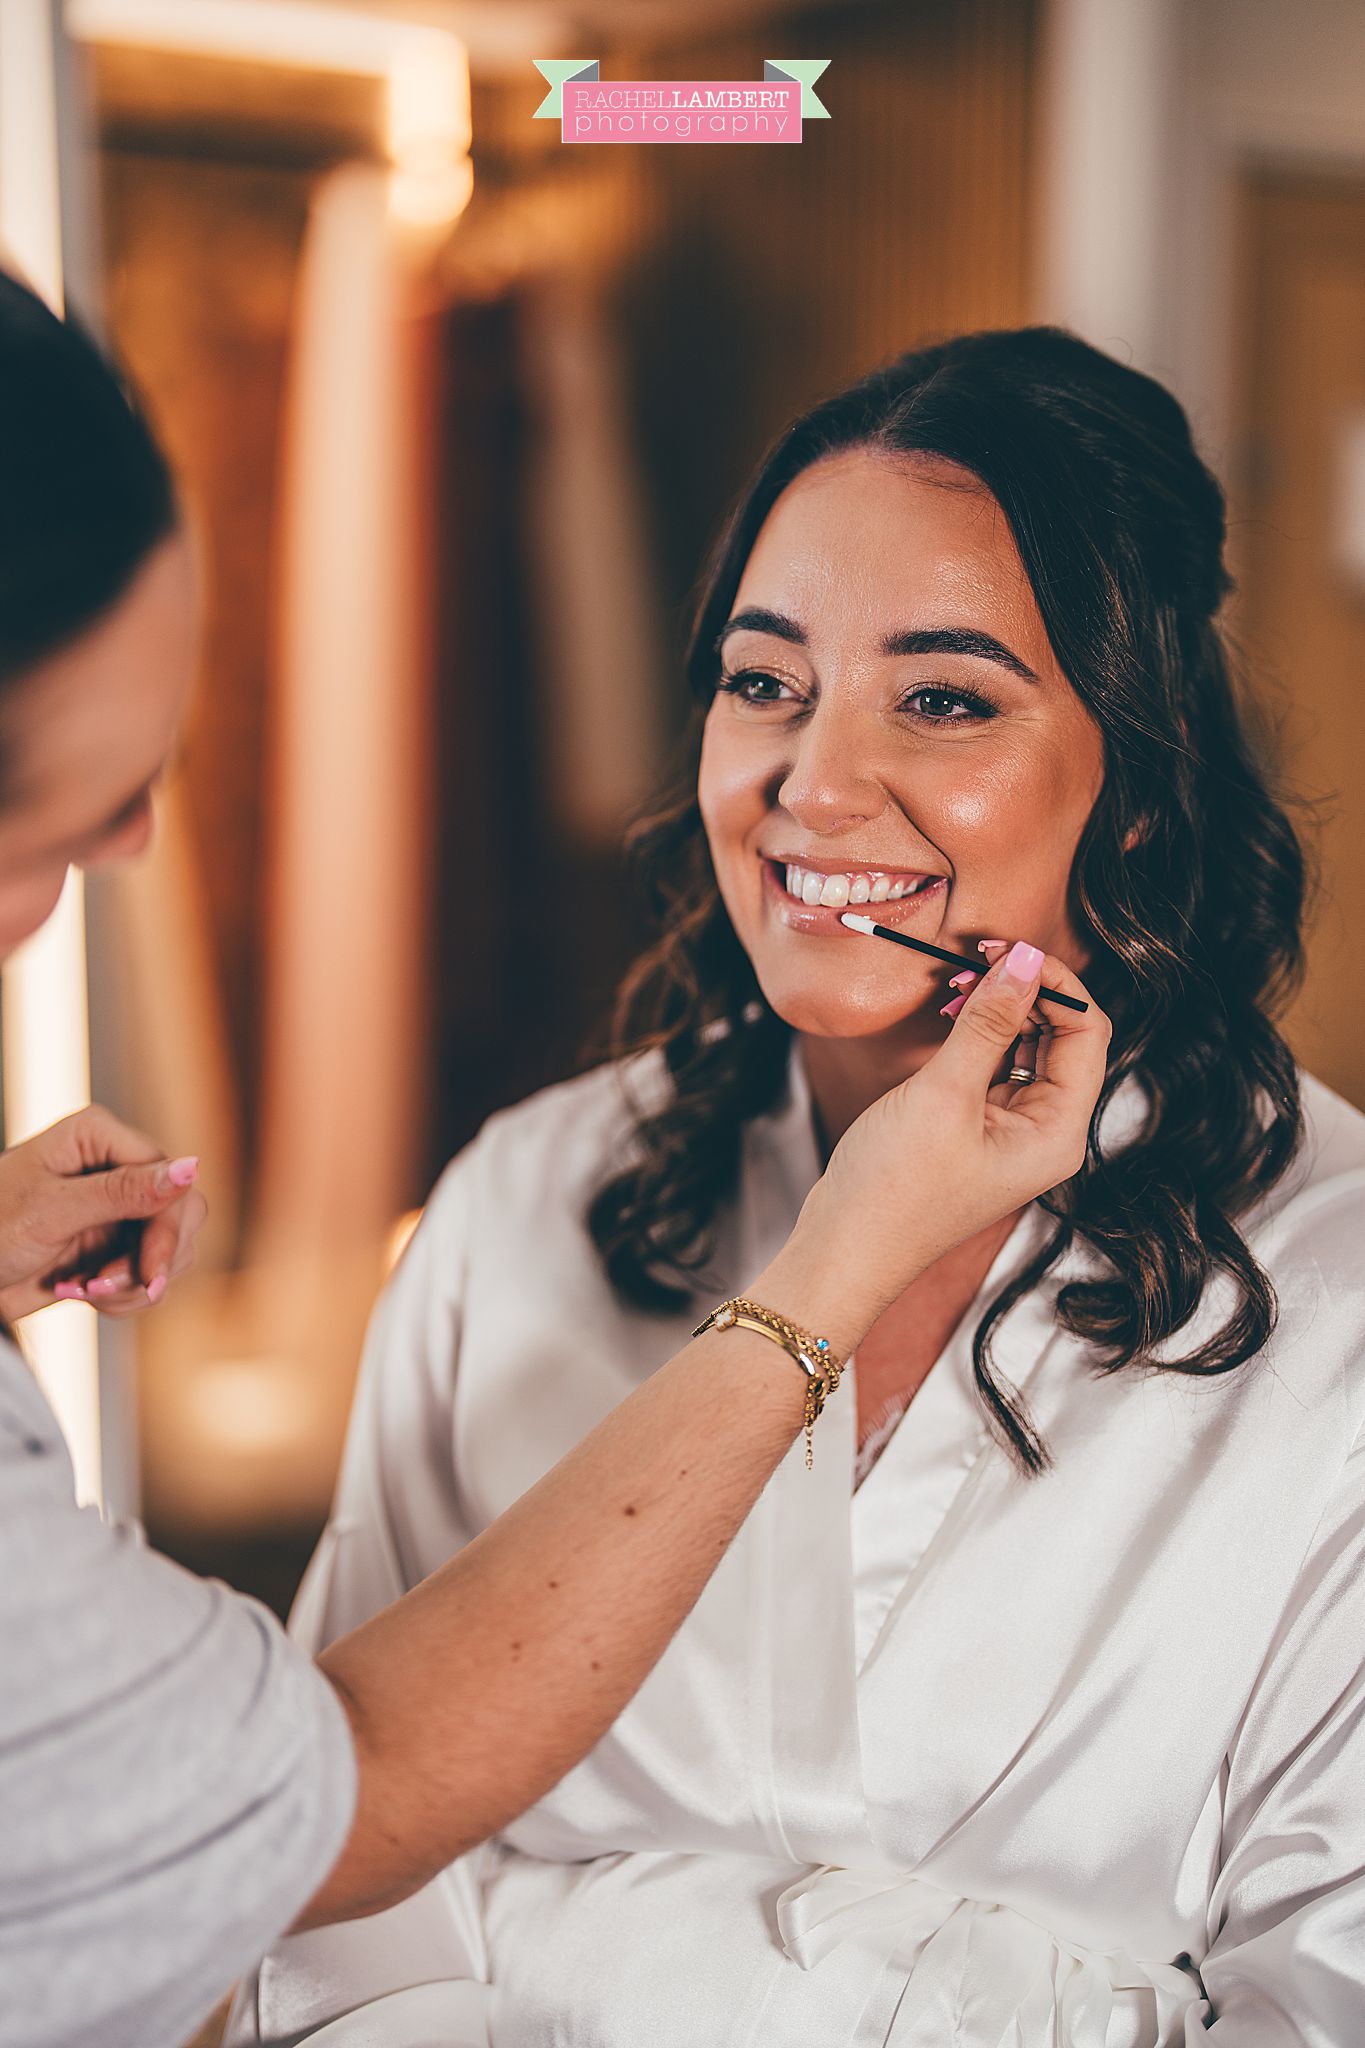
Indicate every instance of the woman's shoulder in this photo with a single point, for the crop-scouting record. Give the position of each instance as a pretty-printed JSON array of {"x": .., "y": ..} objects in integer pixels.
[
  {"x": 548, "y": 1152},
  {"x": 1334, "y": 1132},
  {"x": 1319, "y": 1201},
  {"x": 1307, "y": 1233}
]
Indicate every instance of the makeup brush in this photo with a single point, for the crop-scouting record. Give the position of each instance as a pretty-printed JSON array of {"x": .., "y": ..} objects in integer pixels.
[{"x": 884, "y": 931}]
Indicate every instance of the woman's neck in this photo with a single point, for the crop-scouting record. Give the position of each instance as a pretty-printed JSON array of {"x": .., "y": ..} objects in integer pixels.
[{"x": 846, "y": 1075}]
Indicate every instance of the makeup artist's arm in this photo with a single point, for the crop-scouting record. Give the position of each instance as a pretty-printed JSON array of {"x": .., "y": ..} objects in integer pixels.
[{"x": 471, "y": 1696}]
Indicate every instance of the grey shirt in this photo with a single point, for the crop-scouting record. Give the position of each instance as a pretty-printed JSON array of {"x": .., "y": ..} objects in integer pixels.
[{"x": 176, "y": 1778}]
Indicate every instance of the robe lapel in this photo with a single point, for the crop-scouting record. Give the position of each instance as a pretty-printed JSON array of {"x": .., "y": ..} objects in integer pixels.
[
  {"x": 800, "y": 1654},
  {"x": 833, "y": 1746},
  {"x": 979, "y": 1644},
  {"x": 1017, "y": 1350}
]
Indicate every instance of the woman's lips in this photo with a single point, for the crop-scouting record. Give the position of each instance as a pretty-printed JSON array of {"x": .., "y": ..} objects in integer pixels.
[{"x": 825, "y": 917}]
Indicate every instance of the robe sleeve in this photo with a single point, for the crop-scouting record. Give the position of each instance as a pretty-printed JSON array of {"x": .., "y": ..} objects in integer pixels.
[
  {"x": 414, "y": 1974},
  {"x": 1286, "y": 1965}
]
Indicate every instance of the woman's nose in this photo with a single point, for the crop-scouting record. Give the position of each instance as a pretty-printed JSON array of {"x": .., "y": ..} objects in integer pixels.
[{"x": 828, "y": 781}]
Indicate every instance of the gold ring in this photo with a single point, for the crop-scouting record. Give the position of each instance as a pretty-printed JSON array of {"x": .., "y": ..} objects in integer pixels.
[{"x": 1022, "y": 1074}]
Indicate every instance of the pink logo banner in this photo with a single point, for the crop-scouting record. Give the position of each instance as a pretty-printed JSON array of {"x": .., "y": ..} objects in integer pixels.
[
  {"x": 711, "y": 110},
  {"x": 592, "y": 109}
]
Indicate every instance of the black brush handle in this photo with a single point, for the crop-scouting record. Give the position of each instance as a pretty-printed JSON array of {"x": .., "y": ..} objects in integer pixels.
[{"x": 884, "y": 931}]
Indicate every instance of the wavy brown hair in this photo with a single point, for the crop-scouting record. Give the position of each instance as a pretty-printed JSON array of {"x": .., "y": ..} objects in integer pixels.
[{"x": 1195, "y": 930}]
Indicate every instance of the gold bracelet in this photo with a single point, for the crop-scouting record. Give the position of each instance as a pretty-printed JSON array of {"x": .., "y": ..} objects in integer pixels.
[{"x": 813, "y": 1354}]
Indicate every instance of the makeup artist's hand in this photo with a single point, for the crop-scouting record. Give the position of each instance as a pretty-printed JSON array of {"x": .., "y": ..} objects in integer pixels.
[
  {"x": 1026, "y": 1051},
  {"x": 91, "y": 1210},
  {"x": 952, "y": 1150}
]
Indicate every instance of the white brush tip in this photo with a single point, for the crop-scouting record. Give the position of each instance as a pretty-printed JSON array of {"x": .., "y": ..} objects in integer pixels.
[{"x": 858, "y": 924}]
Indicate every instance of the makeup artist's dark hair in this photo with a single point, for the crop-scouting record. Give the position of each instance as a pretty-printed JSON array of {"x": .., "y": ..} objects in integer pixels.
[
  {"x": 85, "y": 494},
  {"x": 1195, "y": 930}
]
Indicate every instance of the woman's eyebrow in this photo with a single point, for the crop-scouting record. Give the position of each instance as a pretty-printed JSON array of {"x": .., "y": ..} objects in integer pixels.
[
  {"x": 912, "y": 640},
  {"x": 957, "y": 640}
]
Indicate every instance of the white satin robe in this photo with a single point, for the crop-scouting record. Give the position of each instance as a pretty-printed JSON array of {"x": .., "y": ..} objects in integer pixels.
[{"x": 957, "y": 1758}]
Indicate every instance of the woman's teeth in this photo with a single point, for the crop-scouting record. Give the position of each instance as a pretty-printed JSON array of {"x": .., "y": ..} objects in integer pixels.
[{"x": 835, "y": 892}]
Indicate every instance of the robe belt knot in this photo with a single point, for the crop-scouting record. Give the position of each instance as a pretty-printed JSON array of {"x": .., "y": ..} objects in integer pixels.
[{"x": 978, "y": 1975}]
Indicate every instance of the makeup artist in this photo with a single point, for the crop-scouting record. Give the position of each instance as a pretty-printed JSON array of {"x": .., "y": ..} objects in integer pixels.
[{"x": 178, "y": 1782}]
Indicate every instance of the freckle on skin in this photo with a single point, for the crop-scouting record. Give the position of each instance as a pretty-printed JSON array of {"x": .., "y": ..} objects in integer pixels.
[
  {"x": 554, "y": 1585},
  {"x": 595, "y": 1665},
  {"x": 632, "y": 1511}
]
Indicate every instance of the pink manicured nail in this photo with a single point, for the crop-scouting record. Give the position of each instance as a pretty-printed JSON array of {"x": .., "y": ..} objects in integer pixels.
[
  {"x": 103, "y": 1286},
  {"x": 181, "y": 1172},
  {"x": 991, "y": 947},
  {"x": 1022, "y": 961},
  {"x": 68, "y": 1290},
  {"x": 965, "y": 979},
  {"x": 156, "y": 1288},
  {"x": 951, "y": 1009}
]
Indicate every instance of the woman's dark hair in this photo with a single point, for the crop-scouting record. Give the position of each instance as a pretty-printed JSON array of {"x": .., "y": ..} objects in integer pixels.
[
  {"x": 1188, "y": 883},
  {"x": 85, "y": 494}
]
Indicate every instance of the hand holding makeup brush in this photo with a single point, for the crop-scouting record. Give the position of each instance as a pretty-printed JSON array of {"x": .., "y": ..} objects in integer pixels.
[
  {"x": 91, "y": 1210},
  {"x": 965, "y": 981},
  {"x": 952, "y": 1149}
]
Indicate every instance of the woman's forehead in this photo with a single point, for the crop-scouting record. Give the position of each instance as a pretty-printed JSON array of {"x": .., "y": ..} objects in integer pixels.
[{"x": 866, "y": 544}]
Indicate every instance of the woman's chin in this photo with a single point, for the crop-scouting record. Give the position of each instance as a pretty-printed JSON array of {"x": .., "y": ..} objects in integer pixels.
[{"x": 834, "y": 1015}]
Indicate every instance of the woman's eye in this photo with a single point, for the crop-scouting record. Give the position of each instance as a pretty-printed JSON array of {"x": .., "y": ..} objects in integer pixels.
[
  {"x": 752, "y": 686},
  {"x": 933, "y": 705},
  {"x": 936, "y": 699}
]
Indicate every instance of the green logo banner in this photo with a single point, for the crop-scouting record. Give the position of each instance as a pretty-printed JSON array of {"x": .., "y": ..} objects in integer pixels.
[
  {"x": 557, "y": 71},
  {"x": 802, "y": 71}
]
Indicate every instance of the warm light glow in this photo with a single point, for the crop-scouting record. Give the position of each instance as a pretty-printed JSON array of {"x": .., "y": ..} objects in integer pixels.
[
  {"x": 30, "y": 206},
  {"x": 429, "y": 132},
  {"x": 400, "y": 1237},
  {"x": 248, "y": 1407},
  {"x": 428, "y": 111},
  {"x": 305, "y": 37},
  {"x": 45, "y": 1023},
  {"x": 47, "y": 1075},
  {"x": 431, "y": 199},
  {"x": 425, "y": 70}
]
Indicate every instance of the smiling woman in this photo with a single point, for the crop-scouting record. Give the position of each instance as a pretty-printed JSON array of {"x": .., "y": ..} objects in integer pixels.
[
  {"x": 921, "y": 757},
  {"x": 1035, "y": 1713},
  {"x": 961, "y": 625}
]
